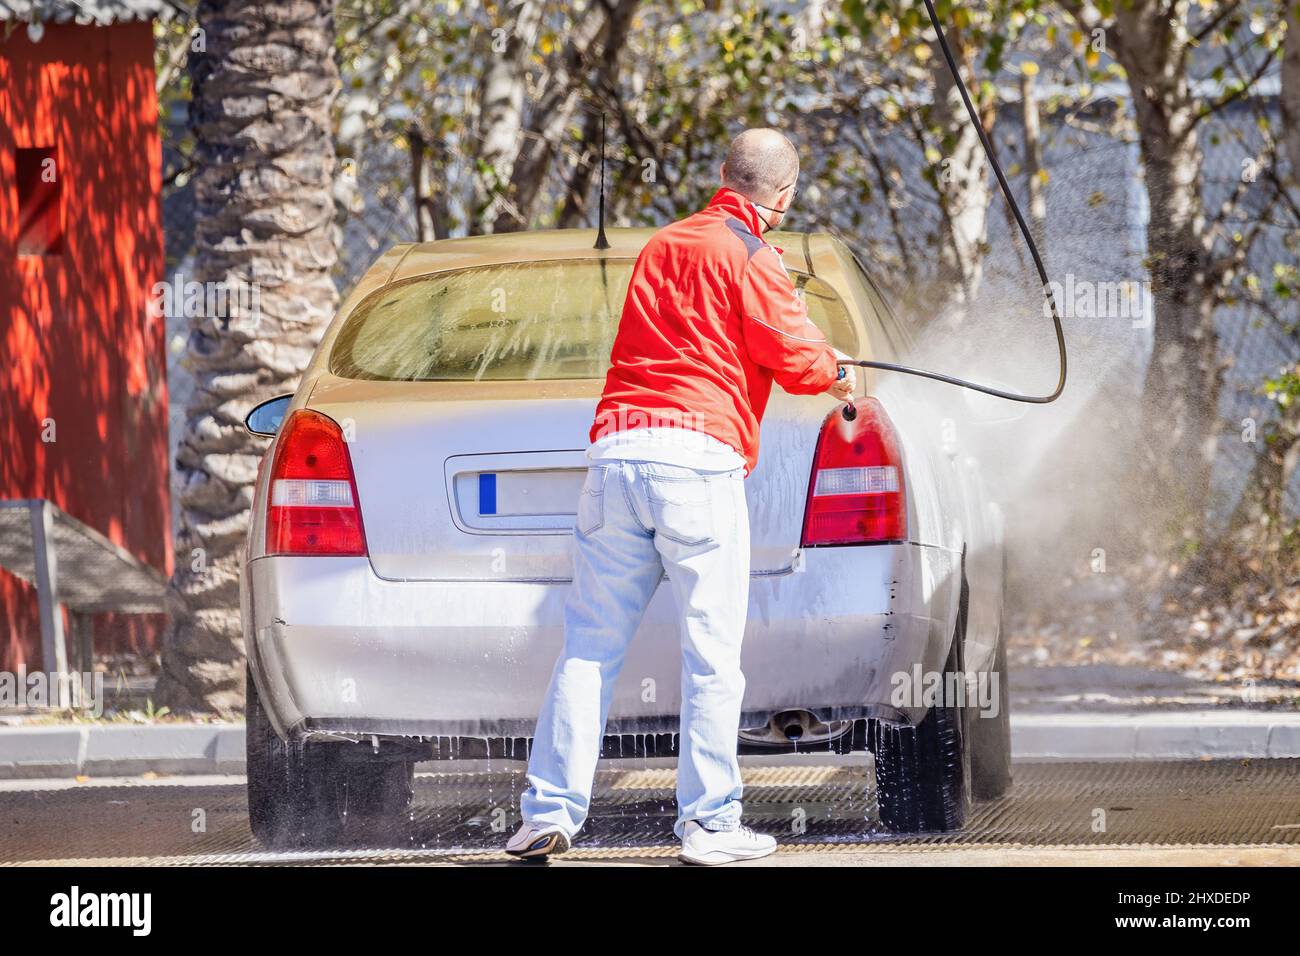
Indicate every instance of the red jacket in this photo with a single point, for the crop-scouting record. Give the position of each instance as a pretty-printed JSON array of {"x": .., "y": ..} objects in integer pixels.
[{"x": 710, "y": 320}]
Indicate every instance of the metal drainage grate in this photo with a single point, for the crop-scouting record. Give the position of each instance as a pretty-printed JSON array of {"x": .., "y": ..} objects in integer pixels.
[{"x": 461, "y": 816}]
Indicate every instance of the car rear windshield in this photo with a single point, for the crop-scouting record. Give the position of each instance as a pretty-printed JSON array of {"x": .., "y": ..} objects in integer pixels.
[{"x": 514, "y": 322}]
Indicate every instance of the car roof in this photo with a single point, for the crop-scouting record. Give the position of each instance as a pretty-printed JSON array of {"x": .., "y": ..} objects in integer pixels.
[{"x": 538, "y": 245}]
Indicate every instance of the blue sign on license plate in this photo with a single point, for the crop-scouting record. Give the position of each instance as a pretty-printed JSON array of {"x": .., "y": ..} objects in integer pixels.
[{"x": 487, "y": 494}]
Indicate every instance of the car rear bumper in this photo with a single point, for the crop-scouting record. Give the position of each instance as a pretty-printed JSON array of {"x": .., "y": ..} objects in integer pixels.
[{"x": 337, "y": 649}]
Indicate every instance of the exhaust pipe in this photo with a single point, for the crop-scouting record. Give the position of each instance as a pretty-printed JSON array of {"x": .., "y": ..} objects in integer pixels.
[{"x": 794, "y": 729}]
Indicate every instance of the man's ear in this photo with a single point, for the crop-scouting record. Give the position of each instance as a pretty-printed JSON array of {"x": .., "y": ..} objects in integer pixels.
[{"x": 722, "y": 174}]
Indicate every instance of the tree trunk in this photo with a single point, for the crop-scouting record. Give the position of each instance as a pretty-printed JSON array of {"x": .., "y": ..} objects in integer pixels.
[
  {"x": 263, "y": 89},
  {"x": 964, "y": 192},
  {"x": 501, "y": 112},
  {"x": 1031, "y": 129},
  {"x": 1258, "y": 526},
  {"x": 574, "y": 211},
  {"x": 1290, "y": 95},
  {"x": 1180, "y": 418},
  {"x": 550, "y": 119},
  {"x": 428, "y": 192}
]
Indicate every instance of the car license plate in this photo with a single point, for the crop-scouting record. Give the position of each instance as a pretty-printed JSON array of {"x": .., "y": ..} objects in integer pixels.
[{"x": 529, "y": 493}]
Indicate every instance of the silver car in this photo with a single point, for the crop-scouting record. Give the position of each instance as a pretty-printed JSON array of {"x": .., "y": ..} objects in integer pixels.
[{"x": 411, "y": 545}]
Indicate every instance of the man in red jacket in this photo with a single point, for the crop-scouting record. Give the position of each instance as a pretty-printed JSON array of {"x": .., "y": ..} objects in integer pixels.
[{"x": 710, "y": 321}]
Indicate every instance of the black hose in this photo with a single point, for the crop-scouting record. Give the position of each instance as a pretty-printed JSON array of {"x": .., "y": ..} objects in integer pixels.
[{"x": 1024, "y": 230}]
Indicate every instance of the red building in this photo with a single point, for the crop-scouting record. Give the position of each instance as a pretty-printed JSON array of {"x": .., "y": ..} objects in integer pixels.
[{"x": 83, "y": 392}]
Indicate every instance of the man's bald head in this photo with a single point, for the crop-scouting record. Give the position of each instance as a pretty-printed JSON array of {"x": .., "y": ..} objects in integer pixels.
[{"x": 760, "y": 163}]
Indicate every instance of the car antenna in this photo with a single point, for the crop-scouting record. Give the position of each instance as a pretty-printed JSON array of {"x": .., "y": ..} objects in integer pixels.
[{"x": 601, "y": 241}]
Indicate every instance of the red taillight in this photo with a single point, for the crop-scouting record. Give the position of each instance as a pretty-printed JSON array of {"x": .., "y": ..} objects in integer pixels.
[
  {"x": 312, "y": 498},
  {"x": 856, "y": 494}
]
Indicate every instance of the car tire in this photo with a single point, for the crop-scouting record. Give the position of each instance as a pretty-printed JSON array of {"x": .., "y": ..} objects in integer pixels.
[
  {"x": 303, "y": 794},
  {"x": 922, "y": 772},
  {"x": 293, "y": 797},
  {"x": 990, "y": 737}
]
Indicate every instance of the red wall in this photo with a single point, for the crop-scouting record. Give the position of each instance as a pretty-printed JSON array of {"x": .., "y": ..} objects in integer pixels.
[{"x": 77, "y": 341}]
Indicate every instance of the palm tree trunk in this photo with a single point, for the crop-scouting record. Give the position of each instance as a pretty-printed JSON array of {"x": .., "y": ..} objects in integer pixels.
[{"x": 263, "y": 88}]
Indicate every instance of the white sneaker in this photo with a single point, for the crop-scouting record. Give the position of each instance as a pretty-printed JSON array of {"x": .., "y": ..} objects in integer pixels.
[
  {"x": 531, "y": 841},
  {"x": 711, "y": 847}
]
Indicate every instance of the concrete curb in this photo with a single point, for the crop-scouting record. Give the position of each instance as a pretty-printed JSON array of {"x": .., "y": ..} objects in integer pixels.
[
  {"x": 72, "y": 750},
  {"x": 1168, "y": 735},
  {"x": 126, "y": 750}
]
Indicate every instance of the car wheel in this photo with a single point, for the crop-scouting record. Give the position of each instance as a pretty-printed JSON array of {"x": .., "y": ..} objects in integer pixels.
[
  {"x": 990, "y": 738},
  {"x": 294, "y": 792},
  {"x": 304, "y": 794},
  {"x": 922, "y": 776}
]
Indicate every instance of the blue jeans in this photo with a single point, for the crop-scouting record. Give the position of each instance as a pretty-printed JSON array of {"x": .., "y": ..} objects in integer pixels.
[{"x": 637, "y": 520}]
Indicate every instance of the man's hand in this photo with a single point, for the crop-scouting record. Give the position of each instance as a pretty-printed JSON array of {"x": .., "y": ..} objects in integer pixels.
[{"x": 843, "y": 389}]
